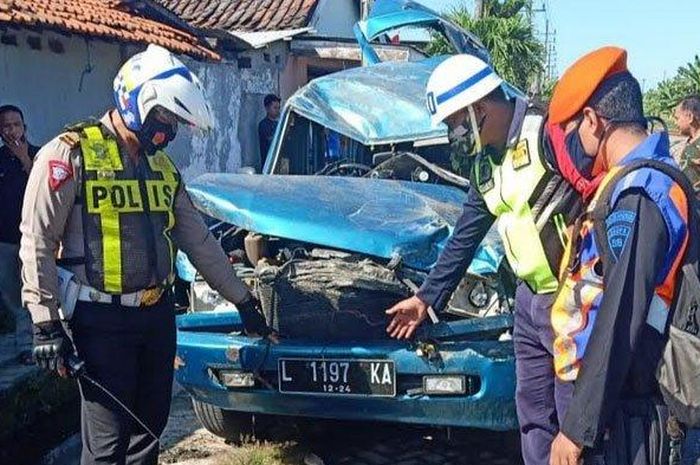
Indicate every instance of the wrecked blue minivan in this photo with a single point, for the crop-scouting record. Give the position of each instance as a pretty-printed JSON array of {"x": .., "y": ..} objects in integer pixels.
[{"x": 357, "y": 199}]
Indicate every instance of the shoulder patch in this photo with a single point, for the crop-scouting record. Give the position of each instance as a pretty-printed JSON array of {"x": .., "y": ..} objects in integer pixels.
[
  {"x": 618, "y": 226},
  {"x": 71, "y": 139},
  {"x": 59, "y": 172}
]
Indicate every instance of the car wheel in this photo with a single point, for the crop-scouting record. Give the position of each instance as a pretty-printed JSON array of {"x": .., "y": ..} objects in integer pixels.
[{"x": 235, "y": 427}]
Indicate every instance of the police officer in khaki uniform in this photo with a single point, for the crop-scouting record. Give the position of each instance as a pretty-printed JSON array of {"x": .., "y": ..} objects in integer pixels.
[{"x": 107, "y": 196}]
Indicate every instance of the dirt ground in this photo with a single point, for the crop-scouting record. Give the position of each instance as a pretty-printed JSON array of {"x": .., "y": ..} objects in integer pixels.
[{"x": 329, "y": 443}]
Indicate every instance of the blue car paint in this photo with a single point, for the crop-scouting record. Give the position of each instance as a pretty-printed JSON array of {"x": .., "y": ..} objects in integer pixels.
[
  {"x": 325, "y": 101},
  {"x": 388, "y": 15},
  {"x": 185, "y": 270},
  {"x": 203, "y": 353},
  {"x": 208, "y": 340},
  {"x": 376, "y": 217}
]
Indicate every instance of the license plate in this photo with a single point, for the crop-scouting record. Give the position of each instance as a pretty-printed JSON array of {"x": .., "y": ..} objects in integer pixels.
[{"x": 375, "y": 378}]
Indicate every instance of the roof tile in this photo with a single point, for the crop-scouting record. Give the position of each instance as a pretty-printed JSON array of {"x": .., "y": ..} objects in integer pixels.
[
  {"x": 107, "y": 19},
  {"x": 243, "y": 15}
]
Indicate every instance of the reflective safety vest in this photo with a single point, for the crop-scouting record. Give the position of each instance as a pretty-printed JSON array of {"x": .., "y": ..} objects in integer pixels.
[
  {"x": 576, "y": 306},
  {"x": 533, "y": 205},
  {"x": 127, "y": 215}
]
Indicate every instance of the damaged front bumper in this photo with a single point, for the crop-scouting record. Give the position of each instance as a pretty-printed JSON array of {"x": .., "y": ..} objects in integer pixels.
[{"x": 208, "y": 345}]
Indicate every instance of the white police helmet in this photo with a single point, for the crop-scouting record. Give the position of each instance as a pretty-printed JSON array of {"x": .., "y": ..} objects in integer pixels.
[
  {"x": 155, "y": 78},
  {"x": 457, "y": 83}
]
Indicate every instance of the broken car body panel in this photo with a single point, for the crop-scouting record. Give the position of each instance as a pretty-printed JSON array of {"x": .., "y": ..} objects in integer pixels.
[
  {"x": 487, "y": 364},
  {"x": 376, "y": 217},
  {"x": 325, "y": 101},
  {"x": 388, "y": 15}
]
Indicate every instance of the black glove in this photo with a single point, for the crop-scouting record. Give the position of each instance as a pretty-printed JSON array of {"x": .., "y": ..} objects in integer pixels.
[
  {"x": 253, "y": 319},
  {"x": 51, "y": 345}
]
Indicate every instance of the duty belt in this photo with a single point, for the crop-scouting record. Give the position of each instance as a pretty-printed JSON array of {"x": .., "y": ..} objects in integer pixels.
[{"x": 143, "y": 298}]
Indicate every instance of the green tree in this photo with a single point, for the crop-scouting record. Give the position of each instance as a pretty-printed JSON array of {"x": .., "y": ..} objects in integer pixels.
[
  {"x": 661, "y": 100},
  {"x": 691, "y": 73},
  {"x": 517, "y": 54}
]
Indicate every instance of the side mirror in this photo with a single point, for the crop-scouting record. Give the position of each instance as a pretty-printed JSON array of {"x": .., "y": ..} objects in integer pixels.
[{"x": 246, "y": 170}]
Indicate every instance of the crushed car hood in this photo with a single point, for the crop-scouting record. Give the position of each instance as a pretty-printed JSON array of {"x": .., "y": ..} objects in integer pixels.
[{"x": 376, "y": 217}]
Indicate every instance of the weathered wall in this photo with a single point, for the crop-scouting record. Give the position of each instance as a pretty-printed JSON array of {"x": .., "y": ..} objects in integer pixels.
[
  {"x": 236, "y": 96},
  {"x": 293, "y": 77},
  {"x": 58, "y": 89}
]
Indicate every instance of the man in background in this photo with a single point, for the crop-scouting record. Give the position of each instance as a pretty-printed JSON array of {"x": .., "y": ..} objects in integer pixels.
[
  {"x": 16, "y": 158},
  {"x": 687, "y": 116},
  {"x": 268, "y": 125}
]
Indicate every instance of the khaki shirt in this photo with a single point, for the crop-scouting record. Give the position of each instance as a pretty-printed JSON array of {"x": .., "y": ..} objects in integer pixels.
[
  {"x": 690, "y": 162},
  {"x": 51, "y": 222}
]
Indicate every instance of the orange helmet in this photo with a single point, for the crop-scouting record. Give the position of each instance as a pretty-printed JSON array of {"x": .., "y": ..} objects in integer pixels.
[{"x": 580, "y": 80}]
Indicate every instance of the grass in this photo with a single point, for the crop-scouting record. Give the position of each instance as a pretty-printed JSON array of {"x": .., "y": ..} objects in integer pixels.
[{"x": 264, "y": 453}]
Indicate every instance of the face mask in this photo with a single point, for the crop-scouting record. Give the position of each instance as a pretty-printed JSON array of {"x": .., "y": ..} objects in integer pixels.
[
  {"x": 468, "y": 134},
  {"x": 155, "y": 134},
  {"x": 581, "y": 160},
  {"x": 458, "y": 133}
]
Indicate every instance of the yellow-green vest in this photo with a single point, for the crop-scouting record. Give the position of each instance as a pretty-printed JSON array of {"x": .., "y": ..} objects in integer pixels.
[
  {"x": 128, "y": 213},
  {"x": 533, "y": 206}
]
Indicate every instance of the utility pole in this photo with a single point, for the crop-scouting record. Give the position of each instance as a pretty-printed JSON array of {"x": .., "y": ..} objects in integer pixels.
[
  {"x": 365, "y": 6},
  {"x": 478, "y": 9},
  {"x": 528, "y": 12},
  {"x": 539, "y": 80},
  {"x": 553, "y": 56},
  {"x": 546, "y": 43}
]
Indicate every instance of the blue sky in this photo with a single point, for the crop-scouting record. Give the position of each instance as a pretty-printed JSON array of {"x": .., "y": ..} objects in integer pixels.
[{"x": 660, "y": 36}]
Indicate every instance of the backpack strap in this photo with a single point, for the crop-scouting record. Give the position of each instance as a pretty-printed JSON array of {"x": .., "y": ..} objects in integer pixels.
[{"x": 604, "y": 206}]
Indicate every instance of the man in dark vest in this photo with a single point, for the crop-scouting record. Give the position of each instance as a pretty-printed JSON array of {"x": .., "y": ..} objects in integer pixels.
[{"x": 611, "y": 313}]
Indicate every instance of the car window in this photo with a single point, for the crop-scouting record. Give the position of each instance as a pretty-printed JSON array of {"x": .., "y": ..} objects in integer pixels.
[{"x": 309, "y": 148}]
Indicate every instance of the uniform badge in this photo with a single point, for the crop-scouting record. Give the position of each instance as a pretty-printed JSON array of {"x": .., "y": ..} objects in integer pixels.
[
  {"x": 59, "y": 172},
  {"x": 619, "y": 226},
  {"x": 521, "y": 155},
  {"x": 484, "y": 175}
]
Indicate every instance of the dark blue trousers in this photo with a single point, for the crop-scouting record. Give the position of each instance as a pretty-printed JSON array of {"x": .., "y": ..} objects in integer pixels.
[
  {"x": 540, "y": 397},
  {"x": 130, "y": 351}
]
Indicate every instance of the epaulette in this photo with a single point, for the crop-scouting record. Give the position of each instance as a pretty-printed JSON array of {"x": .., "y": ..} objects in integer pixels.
[
  {"x": 72, "y": 132},
  {"x": 71, "y": 139},
  {"x": 78, "y": 127}
]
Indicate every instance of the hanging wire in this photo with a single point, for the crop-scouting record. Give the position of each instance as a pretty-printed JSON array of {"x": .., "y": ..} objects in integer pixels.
[{"x": 88, "y": 66}]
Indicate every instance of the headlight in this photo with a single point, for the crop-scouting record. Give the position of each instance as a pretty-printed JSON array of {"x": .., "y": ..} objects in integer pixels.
[
  {"x": 444, "y": 384},
  {"x": 236, "y": 379},
  {"x": 479, "y": 295}
]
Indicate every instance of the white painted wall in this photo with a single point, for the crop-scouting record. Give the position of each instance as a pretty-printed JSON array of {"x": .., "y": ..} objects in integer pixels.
[
  {"x": 335, "y": 18},
  {"x": 47, "y": 86},
  {"x": 236, "y": 97}
]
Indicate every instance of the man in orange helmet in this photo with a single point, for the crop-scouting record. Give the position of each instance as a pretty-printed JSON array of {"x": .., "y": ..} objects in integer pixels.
[{"x": 610, "y": 315}]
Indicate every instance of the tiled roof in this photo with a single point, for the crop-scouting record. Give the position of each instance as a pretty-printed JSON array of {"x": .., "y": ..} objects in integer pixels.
[
  {"x": 243, "y": 15},
  {"x": 107, "y": 19}
]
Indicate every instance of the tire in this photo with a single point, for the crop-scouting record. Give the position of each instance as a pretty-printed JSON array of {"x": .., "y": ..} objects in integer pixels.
[{"x": 232, "y": 426}]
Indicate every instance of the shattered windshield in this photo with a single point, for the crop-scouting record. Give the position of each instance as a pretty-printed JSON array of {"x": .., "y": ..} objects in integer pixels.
[{"x": 308, "y": 148}]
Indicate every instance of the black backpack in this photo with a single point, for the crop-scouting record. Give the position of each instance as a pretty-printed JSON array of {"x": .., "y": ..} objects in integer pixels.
[{"x": 678, "y": 372}]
